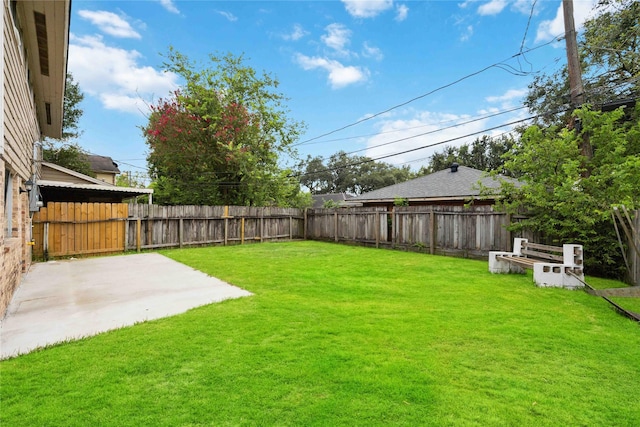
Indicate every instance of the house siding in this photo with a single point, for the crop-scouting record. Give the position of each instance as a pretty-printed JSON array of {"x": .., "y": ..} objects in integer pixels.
[
  {"x": 21, "y": 131},
  {"x": 50, "y": 174},
  {"x": 109, "y": 178}
]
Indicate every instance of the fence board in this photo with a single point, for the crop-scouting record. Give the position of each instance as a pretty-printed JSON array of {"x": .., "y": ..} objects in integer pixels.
[
  {"x": 99, "y": 228},
  {"x": 79, "y": 229},
  {"x": 211, "y": 225},
  {"x": 436, "y": 229}
]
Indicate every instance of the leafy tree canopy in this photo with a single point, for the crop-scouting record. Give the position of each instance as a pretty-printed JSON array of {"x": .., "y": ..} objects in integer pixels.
[
  {"x": 65, "y": 152},
  {"x": 352, "y": 174},
  {"x": 610, "y": 56},
  {"x": 73, "y": 96},
  {"x": 563, "y": 203},
  {"x": 217, "y": 139},
  {"x": 485, "y": 154}
]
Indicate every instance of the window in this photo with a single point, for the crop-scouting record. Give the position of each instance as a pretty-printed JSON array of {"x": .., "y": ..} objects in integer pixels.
[{"x": 8, "y": 203}]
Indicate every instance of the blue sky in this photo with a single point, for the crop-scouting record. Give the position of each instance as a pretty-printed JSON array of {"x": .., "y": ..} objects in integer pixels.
[{"x": 338, "y": 62}]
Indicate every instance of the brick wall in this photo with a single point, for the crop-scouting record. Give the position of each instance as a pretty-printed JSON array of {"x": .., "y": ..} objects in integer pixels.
[{"x": 15, "y": 254}]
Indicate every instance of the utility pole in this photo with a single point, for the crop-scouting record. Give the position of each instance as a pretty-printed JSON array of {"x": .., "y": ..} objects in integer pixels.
[
  {"x": 574, "y": 69},
  {"x": 573, "y": 60}
]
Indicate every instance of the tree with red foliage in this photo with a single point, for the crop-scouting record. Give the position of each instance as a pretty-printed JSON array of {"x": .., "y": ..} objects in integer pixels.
[{"x": 217, "y": 140}]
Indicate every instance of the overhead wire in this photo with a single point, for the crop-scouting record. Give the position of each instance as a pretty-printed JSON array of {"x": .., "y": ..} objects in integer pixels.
[
  {"x": 442, "y": 129},
  {"x": 413, "y": 127},
  {"x": 494, "y": 65},
  {"x": 386, "y": 156},
  {"x": 524, "y": 37}
]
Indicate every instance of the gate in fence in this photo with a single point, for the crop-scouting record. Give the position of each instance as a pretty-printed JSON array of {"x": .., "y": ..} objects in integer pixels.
[{"x": 64, "y": 229}]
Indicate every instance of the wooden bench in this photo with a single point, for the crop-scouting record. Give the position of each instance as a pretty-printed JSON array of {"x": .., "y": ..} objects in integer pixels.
[{"x": 552, "y": 266}]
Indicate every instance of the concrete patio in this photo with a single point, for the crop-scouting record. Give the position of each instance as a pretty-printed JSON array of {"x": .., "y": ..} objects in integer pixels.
[{"x": 63, "y": 300}]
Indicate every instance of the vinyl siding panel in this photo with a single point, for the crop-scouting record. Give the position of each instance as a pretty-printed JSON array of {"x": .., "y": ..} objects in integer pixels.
[{"x": 21, "y": 128}]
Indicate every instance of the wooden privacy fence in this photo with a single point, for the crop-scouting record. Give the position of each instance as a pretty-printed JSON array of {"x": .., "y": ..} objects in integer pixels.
[
  {"x": 152, "y": 226},
  {"x": 434, "y": 229},
  {"x": 64, "y": 229}
]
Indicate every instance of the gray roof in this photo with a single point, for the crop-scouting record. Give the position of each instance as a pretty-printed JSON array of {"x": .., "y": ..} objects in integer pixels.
[
  {"x": 443, "y": 184},
  {"x": 319, "y": 199},
  {"x": 102, "y": 164}
]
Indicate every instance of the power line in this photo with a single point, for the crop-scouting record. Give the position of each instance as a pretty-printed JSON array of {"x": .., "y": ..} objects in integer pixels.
[
  {"x": 410, "y": 128},
  {"x": 524, "y": 37},
  {"x": 386, "y": 156},
  {"x": 440, "y": 129},
  {"x": 494, "y": 65}
]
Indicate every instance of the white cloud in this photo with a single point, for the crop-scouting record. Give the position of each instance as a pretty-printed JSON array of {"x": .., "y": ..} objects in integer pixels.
[
  {"x": 509, "y": 99},
  {"x": 524, "y": 7},
  {"x": 114, "y": 75},
  {"x": 168, "y": 4},
  {"x": 510, "y": 95},
  {"x": 424, "y": 128},
  {"x": 337, "y": 38},
  {"x": 550, "y": 29},
  {"x": 371, "y": 52},
  {"x": 228, "y": 15},
  {"x": 367, "y": 8},
  {"x": 109, "y": 23},
  {"x": 467, "y": 33},
  {"x": 125, "y": 103},
  {"x": 339, "y": 74},
  {"x": 493, "y": 7},
  {"x": 402, "y": 11},
  {"x": 297, "y": 33}
]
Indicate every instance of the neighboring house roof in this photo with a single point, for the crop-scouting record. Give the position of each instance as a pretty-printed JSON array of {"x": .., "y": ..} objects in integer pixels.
[
  {"x": 442, "y": 185},
  {"x": 53, "y": 172},
  {"x": 339, "y": 198},
  {"x": 56, "y": 178},
  {"x": 103, "y": 164}
]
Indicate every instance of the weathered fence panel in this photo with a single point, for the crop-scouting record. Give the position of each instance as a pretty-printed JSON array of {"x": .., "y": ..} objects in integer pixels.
[
  {"x": 364, "y": 225},
  {"x": 64, "y": 229},
  {"x": 152, "y": 226},
  {"x": 459, "y": 231},
  {"x": 634, "y": 256}
]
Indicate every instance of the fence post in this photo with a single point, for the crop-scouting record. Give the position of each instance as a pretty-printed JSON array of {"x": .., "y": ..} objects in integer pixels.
[
  {"x": 290, "y": 228},
  {"x": 138, "y": 233},
  {"x": 180, "y": 232},
  {"x": 509, "y": 239},
  {"x": 432, "y": 221},
  {"x": 394, "y": 225},
  {"x": 126, "y": 234},
  {"x": 149, "y": 232},
  {"x": 242, "y": 231},
  {"x": 45, "y": 242},
  {"x": 378, "y": 229},
  {"x": 261, "y": 225},
  {"x": 304, "y": 225},
  {"x": 335, "y": 223}
]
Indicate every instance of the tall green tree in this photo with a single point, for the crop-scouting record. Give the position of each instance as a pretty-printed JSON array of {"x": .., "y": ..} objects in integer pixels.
[
  {"x": 563, "y": 203},
  {"x": 609, "y": 49},
  {"x": 73, "y": 96},
  {"x": 344, "y": 173},
  {"x": 66, "y": 152},
  {"x": 218, "y": 139},
  {"x": 485, "y": 154}
]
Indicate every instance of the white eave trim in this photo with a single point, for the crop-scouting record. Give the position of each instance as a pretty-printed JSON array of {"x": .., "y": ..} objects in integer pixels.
[{"x": 95, "y": 187}]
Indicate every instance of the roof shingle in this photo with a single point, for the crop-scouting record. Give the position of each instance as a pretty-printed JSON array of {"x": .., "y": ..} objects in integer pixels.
[{"x": 441, "y": 184}]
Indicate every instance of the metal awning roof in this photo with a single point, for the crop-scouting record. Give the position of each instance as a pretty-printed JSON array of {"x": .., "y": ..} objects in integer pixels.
[{"x": 95, "y": 187}]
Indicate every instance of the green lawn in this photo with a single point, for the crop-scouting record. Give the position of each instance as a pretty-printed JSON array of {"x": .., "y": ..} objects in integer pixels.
[{"x": 343, "y": 335}]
